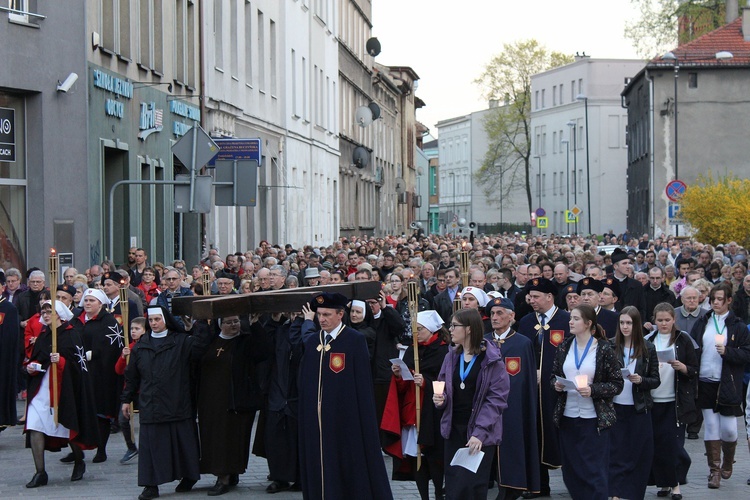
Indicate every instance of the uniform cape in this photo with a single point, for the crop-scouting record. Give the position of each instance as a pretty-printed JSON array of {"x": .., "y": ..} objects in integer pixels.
[
  {"x": 519, "y": 452},
  {"x": 352, "y": 464},
  {"x": 9, "y": 362}
]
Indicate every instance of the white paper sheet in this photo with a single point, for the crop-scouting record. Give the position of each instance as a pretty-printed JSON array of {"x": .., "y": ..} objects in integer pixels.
[
  {"x": 405, "y": 372},
  {"x": 568, "y": 385},
  {"x": 625, "y": 372},
  {"x": 462, "y": 458},
  {"x": 665, "y": 356}
]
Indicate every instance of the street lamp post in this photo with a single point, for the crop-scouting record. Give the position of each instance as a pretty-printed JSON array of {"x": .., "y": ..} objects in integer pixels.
[
  {"x": 671, "y": 56},
  {"x": 581, "y": 97},
  {"x": 539, "y": 183},
  {"x": 567, "y": 173},
  {"x": 573, "y": 124}
]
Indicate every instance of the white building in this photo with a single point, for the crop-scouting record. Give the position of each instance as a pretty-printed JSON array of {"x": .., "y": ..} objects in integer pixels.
[
  {"x": 573, "y": 167},
  {"x": 271, "y": 70},
  {"x": 462, "y": 148}
]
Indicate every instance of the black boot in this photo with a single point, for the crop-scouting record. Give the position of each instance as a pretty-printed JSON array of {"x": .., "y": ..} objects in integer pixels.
[
  {"x": 78, "y": 469},
  {"x": 39, "y": 479},
  {"x": 149, "y": 493}
]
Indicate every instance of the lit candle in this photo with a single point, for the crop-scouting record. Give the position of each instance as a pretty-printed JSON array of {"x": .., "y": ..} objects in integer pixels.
[
  {"x": 582, "y": 381},
  {"x": 438, "y": 386}
]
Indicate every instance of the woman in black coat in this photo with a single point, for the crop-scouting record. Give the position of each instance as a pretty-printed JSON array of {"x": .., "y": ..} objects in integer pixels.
[
  {"x": 632, "y": 436},
  {"x": 724, "y": 351},
  {"x": 674, "y": 402}
]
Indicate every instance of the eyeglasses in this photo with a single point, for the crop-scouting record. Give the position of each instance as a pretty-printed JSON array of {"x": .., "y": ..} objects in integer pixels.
[
  {"x": 171, "y": 279},
  {"x": 454, "y": 326}
]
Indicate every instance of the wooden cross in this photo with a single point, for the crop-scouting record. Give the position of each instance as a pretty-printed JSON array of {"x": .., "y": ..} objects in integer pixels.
[{"x": 219, "y": 351}]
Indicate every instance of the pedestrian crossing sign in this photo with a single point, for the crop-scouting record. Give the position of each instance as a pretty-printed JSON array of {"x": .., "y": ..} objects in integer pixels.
[
  {"x": 542, "y": 222},
  {"x": 570, "y": 217}
]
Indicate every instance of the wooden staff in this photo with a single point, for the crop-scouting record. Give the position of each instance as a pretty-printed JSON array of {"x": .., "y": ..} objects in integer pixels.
[
  {"x": 53, "y": 271},
  {"x": 125, "y": 315},
  {"x": 412, "y": 294},
  {"x": 206, "y": 280}
]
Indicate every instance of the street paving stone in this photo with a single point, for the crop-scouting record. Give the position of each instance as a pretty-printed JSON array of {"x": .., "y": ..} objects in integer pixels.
[{"x": 112, "y": 480}]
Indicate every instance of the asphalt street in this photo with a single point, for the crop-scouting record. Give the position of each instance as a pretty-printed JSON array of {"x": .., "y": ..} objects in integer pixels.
[{"x": 112, "y": 480}]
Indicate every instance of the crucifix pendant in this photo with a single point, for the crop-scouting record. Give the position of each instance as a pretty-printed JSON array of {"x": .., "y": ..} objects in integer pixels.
[{"x": 219, "y": 351}]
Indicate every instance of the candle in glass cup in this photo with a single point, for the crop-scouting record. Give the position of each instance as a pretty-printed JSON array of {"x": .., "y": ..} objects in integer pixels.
[
  {"x": 438, "y": 386},
  {"x": 582, "y": 381}
]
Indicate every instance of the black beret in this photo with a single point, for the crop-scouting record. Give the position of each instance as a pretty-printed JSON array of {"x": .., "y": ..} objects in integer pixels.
[
  {"x": 69, "y": 289},
  {"x": 568, "y": 290},
  {"x": 613, "y": 285},
  {"x": 114, "y": 276},
  {"x": 503, "y": 302},
  {"x": 589, "y": 284},
  {"x": 541, "y": 285},
  {"x": 328, "y": 300}
]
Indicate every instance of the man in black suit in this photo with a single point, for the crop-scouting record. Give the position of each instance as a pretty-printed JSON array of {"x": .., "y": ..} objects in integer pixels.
[
  {"x": 631, "y": 290},
  {"x": 443, "y": 303},
  {"x": 590, "y": 291}
]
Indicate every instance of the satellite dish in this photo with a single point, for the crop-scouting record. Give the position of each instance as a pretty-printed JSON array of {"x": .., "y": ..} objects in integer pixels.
[
  {"x": 363, "y": 116},
  {"x": 373, "y": 46},
  {"x": 360, "y": 157},
  {"x": 400, "y": 185},
  {"x": 375, "y": 110}
]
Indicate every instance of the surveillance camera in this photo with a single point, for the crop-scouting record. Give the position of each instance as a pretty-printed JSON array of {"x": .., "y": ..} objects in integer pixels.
[{"x": 68, "y": 83}]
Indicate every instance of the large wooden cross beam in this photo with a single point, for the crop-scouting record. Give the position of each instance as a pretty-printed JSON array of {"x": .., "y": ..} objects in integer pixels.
[{"x": 275, "y": 301}]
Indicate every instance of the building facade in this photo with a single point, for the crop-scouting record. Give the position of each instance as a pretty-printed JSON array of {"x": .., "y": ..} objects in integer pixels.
[
  {"x": 579, "y": 149},
  {"x": 686, "y": 116}
]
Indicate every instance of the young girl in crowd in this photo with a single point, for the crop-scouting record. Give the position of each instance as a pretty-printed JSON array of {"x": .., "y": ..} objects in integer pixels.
[
  {"x": 137, "y": 328},
  {"x": 674, "y": 402}
]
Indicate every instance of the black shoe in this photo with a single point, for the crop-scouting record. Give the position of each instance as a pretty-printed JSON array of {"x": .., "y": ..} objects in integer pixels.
[
  {"x": 218, "y": 489},
  {"x": 664, "y": 493},
  {"x": 277, "y": 486},
  {"x": 676, "y": 496},
  {"x": 100, "y": 457},
  {"x": 78, "y": 469},
  {"x": 149, "y": 492},
  {"x": 531, "y": 494},
  {"x": 185, "y": 485},
  {"x": 298, "y": 487},
  {"x": 68, "y": 459},
  {"x": 692, "y": 435},
  {"x": 39, "y": 479},
  {"x": 234, "y": 479}
]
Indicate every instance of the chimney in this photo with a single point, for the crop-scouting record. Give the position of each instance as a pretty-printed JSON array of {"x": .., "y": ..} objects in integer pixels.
[
  {"x": 494, "y": 103},
  {"x": 732, "y": 10},
  {"x": 746, "y": 23}
]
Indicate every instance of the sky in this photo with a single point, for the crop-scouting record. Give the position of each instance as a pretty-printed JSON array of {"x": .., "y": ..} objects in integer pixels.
[{"x": 448, "y": 42}]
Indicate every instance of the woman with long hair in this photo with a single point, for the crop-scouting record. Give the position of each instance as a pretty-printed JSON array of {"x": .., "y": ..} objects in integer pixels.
[
  {"x": 674, "y": 402},
  {"x": 473, "y": 401},
  {"x": 585, "y": 414},
  {"x": 724, "y": 351},
  {"x": 400, "y": 419},
  {"x": 632, "y": 436}
]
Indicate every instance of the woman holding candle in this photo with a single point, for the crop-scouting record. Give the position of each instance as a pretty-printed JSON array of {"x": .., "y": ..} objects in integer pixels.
[
  {"x": 632, "y": 436},
  {"x": 399, "y": 416},
  {"x": 476, "y": 394},
  {"x": 76, "y": 410},
  {"x": 584, "y": 415},
  {"x": 724, "y": 345},
  {"x": 674, "y": 402}
]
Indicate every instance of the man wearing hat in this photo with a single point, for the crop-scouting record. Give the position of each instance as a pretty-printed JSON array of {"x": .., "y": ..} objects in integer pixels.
[
  {"x": 9, "y": 359},
  {"x": 631, "y": 290},
  {"x": 518, "y": 454},
  {"x": 111, "y": 283},
  {"x": 340, "y": 453},
  {"x": 610, "y": 294},
  {"x": 569, "y": 296},
  {"x": 547, "y": 326},
  {"x": 590, "y": 291}
]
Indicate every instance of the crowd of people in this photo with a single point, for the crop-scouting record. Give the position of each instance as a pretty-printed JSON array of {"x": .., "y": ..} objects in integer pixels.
[{"x": 520, "y": 354}]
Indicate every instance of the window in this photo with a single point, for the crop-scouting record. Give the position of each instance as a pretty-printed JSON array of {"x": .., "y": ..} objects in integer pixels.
[
  {"x": 554, "y": 95},
  {"x": 572, "y": 91},
  {"x": 150, "y": 50},
  {"x": 554, "y": 184},
  {"x": 21, "y": 6},
  {"x": 272, "y": 56},
  {"x": 218, "y": 31},
  {"x": 544, "y": 142},
  {"x": 261, "y": 52},
  {"x": 13, "y": 223},
  {"x": 295, "y": 111},
  {"x": 115, "y": 28},
  {"x": 433, "y": 180},
  {"x": 248, "y": 45},
  {"x": 536, "y": 100},
  {"x": 580, "y": 86},
  {"x": 543, "y": 105},
  {"x": 554, "y": 141},
  {"x": 561, "y": 93},
  {"x": 692, "y": 80}
]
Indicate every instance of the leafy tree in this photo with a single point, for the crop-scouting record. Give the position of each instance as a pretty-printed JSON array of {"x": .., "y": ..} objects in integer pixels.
[
  {"x": 660, "y": 22},
  {"x": 507, "y": 77},
  {"x": 717, "y": 209}
]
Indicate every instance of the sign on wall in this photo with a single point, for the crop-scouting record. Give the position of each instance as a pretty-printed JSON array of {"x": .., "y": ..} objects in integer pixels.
[{"x": 7, "y": 134}]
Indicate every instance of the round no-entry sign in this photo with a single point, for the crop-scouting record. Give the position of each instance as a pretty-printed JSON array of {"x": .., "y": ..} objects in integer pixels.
[{"x": 675, "y": 189}]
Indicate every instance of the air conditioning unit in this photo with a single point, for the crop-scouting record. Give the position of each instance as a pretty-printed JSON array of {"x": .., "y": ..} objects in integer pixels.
[
  {"x": 418, "y": 201},
  {"x": 403, "y": 198}
]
